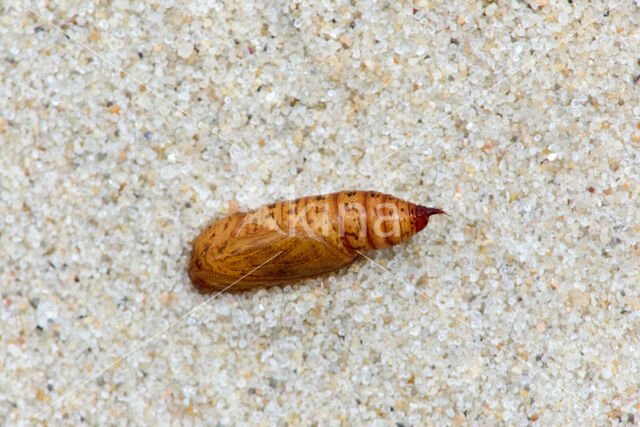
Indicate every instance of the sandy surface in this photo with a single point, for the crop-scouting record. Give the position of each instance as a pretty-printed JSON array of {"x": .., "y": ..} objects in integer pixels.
[{"x": 126, "y": 127}]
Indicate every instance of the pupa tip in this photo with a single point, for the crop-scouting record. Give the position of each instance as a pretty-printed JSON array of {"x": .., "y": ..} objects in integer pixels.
[{"x": 423, "y": 213}]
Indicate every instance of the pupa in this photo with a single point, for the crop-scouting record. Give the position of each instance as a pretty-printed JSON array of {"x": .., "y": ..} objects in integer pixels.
[{"x": 290, "y": 240}]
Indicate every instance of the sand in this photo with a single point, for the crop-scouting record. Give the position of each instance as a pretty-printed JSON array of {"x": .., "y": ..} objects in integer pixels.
[{"x": 125, "y": 127}]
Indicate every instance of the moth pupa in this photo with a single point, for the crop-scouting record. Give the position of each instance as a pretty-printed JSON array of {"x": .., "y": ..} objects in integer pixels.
[{"x": 296, "y": 239}]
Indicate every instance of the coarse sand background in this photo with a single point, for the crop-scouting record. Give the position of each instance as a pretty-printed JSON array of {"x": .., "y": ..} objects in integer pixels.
[{"x": 126, "y": 127}]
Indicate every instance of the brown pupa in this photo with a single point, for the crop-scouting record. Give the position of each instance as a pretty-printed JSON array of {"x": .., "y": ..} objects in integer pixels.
[{"x": 301, "y": 238}]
